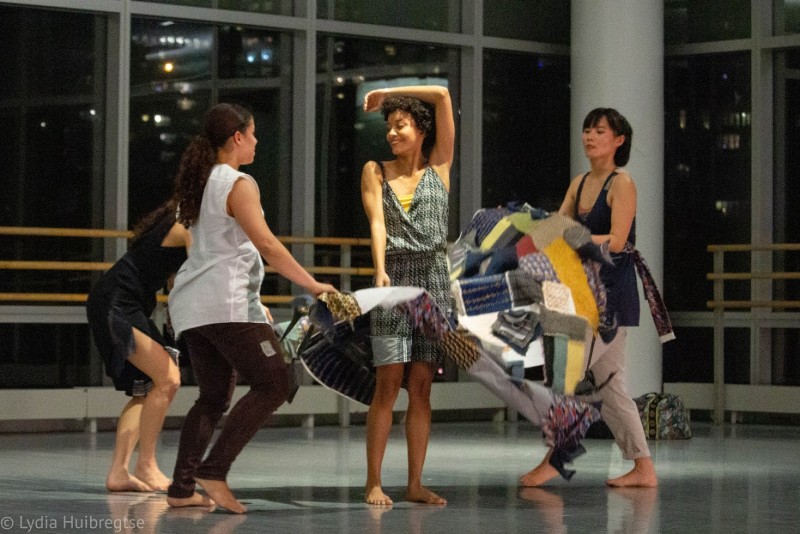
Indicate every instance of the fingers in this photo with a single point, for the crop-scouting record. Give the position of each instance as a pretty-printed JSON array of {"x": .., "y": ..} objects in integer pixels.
[{"x": 372, "y": 100}]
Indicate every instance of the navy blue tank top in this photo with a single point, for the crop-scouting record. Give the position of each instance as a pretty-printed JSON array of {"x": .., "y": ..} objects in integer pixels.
[{"x": 619, "y": 279}]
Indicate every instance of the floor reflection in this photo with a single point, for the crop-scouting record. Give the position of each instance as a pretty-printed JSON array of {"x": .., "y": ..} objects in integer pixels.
[{"x": 294, "y": 481}]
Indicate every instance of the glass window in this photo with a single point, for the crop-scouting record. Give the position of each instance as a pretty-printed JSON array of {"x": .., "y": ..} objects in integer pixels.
[
  {"x": 786, "y": 204},
  {"x": 706, "y": 172},
  {"x": 546, "y": 21},
  {"x": 786, "y": 224},
  {"x": 690, "y": 358},
  {"x": 173, "y": 81},
  {"x": 785, "y": 363},
  {"x": 696, "y": 21},
  {"x": 420, "y": 14},
  {"x": 170, "y": 93},
  {"x": 249, "y": 53},
  {"x": 44, "y": 355},
  {"x": 347, "y": 137},
  {"x": 274, "y": 7},
  {"x": 787, "y": 17},
  {"x": 52, "y": 97},
  {"x": 526, "y": 137}
]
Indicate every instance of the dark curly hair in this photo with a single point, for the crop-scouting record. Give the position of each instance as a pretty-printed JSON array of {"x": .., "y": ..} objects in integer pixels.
[
  {"x": 221, "y": 122},
  {"x": 619, "y": 125},
  {"x": 420, "y": 111}
]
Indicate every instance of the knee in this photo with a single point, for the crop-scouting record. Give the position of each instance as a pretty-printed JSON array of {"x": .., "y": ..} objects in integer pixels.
[
  {"x": 210, "y": 407},
  {"x": 419, "y": 398},
  {"x": 168, "y": 386},
  {"x": 214, "y": 403},
  {"x": 419, "y": 392},
  {"x": 419, "y": 384},
  {"x": 275, "y": 391},
  {"x": 171, "y": 387}
]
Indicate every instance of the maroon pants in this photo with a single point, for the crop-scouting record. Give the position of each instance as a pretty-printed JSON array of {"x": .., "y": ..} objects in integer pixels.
[{"x": 220, "y": 352}]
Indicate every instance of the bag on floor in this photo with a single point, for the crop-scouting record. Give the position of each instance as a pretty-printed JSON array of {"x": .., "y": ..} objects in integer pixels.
[{"x": 663, "y": 416}]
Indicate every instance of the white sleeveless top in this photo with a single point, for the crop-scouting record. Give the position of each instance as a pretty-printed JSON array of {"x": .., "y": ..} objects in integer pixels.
[{"x": 220, "y": 282}]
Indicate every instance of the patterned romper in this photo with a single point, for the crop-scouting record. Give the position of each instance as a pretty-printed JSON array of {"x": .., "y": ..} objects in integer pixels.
[{"x": 416, "y": 244}]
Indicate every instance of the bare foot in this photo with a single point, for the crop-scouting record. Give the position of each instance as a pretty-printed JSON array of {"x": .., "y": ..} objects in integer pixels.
[
  {"x": 154, "y": 478},
  {"x": 643, "y": 475},
  {"x": 195, "y": 500},
  {"x": 375, "y": 495},
  {"x": 423, "y": 495},
  {"x": 124, "y": 481},
  {"x": 222, "y": 495},
  {"x": 538, "y": 475}
]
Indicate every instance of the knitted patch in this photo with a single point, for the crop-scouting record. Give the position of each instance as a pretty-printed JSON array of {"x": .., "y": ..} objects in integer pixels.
[
  {"x": 568, "y": 363},
  {"x": 559, "y": 364},
  {"x": 483, "y": 221},
  {"x": 525, "y": 246},
  {"x": 550, "y": 229},
  {"x": 523, "y": 222},
  {"x": 539, "y": 266},
  {"x": 517, "y": 327},
  {"x": 573, "y": 368},
  {"x": 484, "y": 294},
  {"x": 558, "y": 297},
  {"x": 567, "y": 265},
  {"x": 503, "y": 234},
  {"x": 554, "y": 323},
  {"x": 523, "y": 288}
]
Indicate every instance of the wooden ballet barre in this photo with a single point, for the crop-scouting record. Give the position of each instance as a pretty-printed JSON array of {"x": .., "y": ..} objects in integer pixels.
[
  {"x": 81, "y": 297},
  {"x": 42, "y": 297},
  {"x": 356, "y": 271},
  {"x": 775, "y": 247},
  {"x": 63, "y": 232},
  {"x": 36, "y": 265},
  {"x": 103, "y": 266},
  {"x": 127, "y": 234},
  {"x": 753, "y": 276},
  {"x": 338, "y": 241},
  {"x": 719, "y": 305},
  {"x": 55, "y": 265},
  {"x": 743, "y": 304}
]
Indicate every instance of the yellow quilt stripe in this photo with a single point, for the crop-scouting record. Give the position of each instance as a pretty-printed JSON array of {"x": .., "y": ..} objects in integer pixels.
[{"x": 567, "y": 265}]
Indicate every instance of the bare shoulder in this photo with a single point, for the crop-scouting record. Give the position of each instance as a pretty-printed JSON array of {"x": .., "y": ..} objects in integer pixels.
[
  {"x": 372, "y": 171},
  {"x": 574, "y": 183},
  {"x": 245, "y": 183},
  {"x": 623, "y": 180}
]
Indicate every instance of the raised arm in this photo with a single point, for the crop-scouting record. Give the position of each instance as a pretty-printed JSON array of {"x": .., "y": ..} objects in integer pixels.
[
  {"x": 244, "y": 205},
  {"x": 441, "y": 157},
  {"x": 372, "y": 198}
]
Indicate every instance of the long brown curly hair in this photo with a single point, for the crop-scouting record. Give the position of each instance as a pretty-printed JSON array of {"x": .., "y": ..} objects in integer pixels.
[{"x": 221, "y": 122}]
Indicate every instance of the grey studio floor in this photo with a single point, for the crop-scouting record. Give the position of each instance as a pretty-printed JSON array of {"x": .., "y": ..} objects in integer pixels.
[{"x": 734, "y": 478}]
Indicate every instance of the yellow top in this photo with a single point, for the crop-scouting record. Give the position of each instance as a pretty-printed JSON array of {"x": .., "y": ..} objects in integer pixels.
[{"x": 405, "y": 201}]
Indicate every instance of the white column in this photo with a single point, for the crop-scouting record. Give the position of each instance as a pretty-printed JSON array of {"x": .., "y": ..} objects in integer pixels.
[{"x": 617, "y": 53}]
